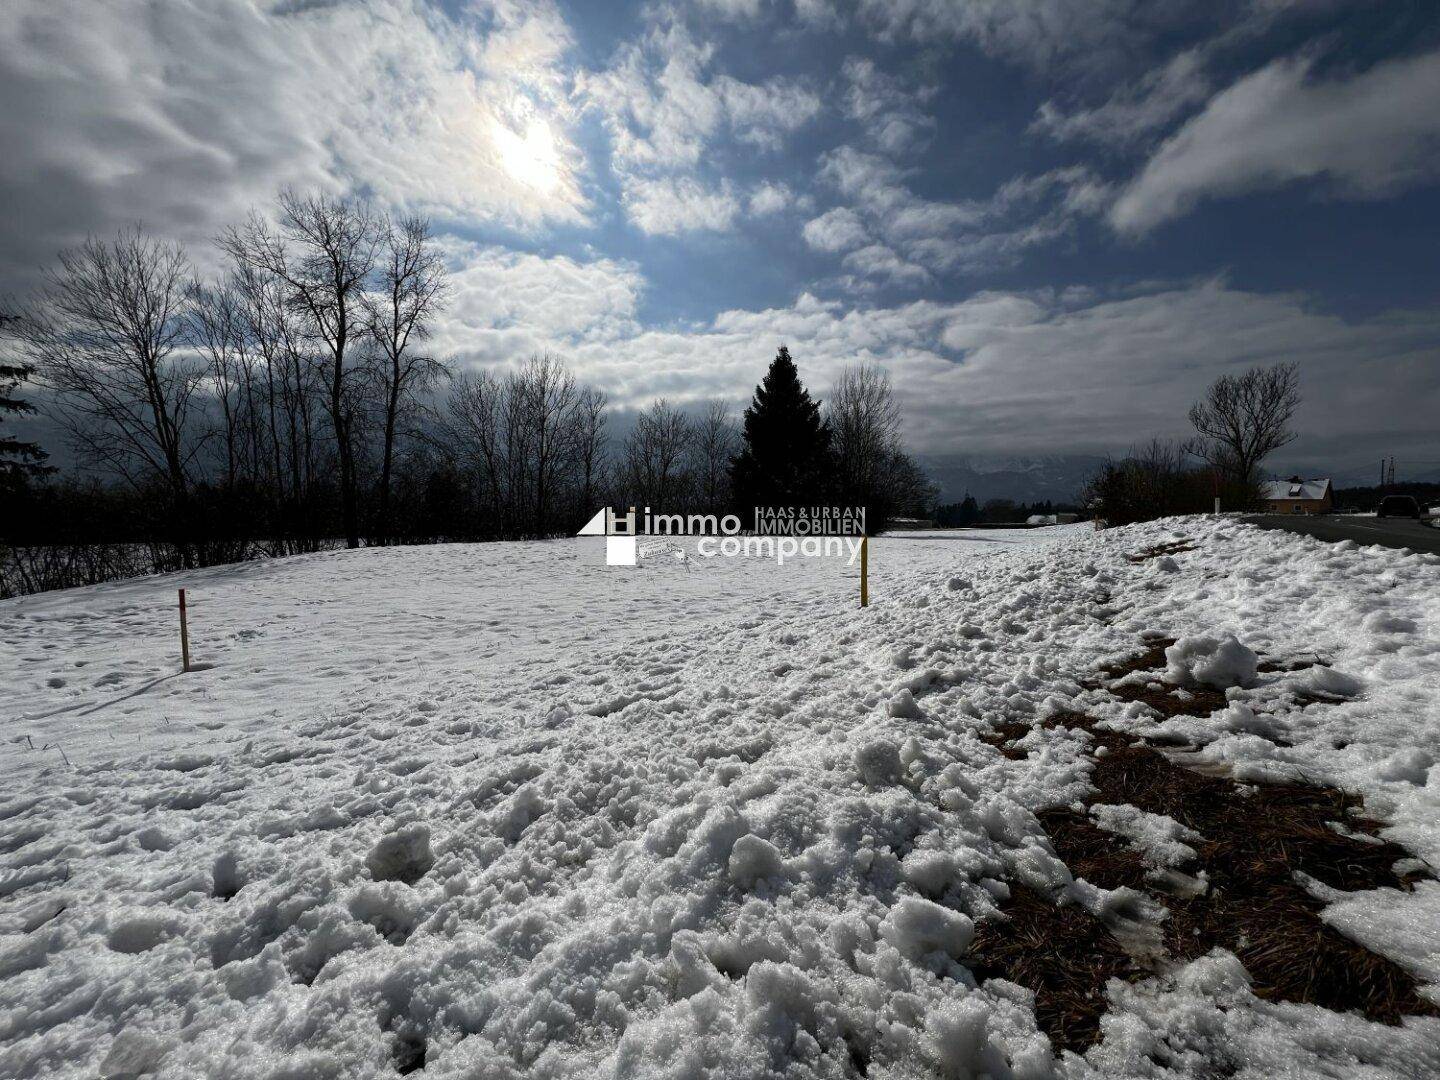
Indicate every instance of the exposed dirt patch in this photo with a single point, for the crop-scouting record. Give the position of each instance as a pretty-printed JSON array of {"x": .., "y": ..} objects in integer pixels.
[
  {"x": 1171, "y": 701},
  {"x": 1270, "y": 665},
  {"x": 1244, "y": 890},
  {"x": 1167, "y": 700},
  {"x": 1063, "y": 954},
  {"x": 1151, "y": 659},
  {"x": 1256, "y": 839},
  {"x": 1158, "y": 550},
  {"x": 1004, "y": 736}
]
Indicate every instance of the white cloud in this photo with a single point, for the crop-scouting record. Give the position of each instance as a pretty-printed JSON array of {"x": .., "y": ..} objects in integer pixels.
[
  {"x": 739, "y": 10},
  {"x": 665, "y": 111},
  {"x": 764, "y": 113},
  {"x": 657, "y": 105},
  {"x": 1134, "y": 110},
  {"x": 670, "y": 205},
  {"x": 839, "y": 229},
  {"x": 890, "y": 113},
  {"x": 505, "y": 304},
  {"x": 819, "y": 14},
  {"x": 771, "y": 198},
  {"x": 1037, "y": 33},
  {"x": 1370, "y": 135},
  {"x": 929, "y": 235},
  {"x": 1042, "y": 371},
  {"x": 879, "y": 262},
  {"x": 184, "y": 118}
]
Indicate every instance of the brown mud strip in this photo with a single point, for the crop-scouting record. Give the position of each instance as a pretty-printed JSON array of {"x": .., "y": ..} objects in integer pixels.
[{"x": 1244, "y": 890}]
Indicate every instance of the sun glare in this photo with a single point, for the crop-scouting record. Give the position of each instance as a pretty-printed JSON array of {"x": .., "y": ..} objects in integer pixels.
[{"x": 532, "y": 157}]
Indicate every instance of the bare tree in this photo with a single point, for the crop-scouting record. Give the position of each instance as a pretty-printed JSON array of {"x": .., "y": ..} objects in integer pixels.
[
  {"x": 324, "y": 252},
  {"x": 865, "y": 428},
  {"x": 543, "y": 400},
  {"x": 1244, "y": 418},
  {"x": 589, "y": 444},
  {"x": 106, "y": 337},
  {"x": 476, "y": 424},
  {"x": 276, "y": 341},
  {"x": 655, "y": 456},
  {"x": 216, "y": 329},
  {"x": 716, "y": 439},
  {"x": 408, "y": 293}
]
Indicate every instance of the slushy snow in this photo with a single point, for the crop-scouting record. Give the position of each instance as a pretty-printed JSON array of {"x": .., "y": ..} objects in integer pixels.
[{"x": 500, "y": 811}]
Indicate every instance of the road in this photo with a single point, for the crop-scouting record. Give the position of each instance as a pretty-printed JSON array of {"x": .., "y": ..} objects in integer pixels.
[{"x": 1387, "y": 532}]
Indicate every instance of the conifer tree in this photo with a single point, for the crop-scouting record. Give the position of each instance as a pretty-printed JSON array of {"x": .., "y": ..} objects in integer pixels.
[
  {"x": 18, "y": 460},
  {"x": 785, "y": 457},
  {"x": 969, "y": 510}
]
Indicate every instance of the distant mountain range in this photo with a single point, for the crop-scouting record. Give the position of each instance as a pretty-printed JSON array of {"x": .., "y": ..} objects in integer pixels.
[{"x": 1057, "y": 478}]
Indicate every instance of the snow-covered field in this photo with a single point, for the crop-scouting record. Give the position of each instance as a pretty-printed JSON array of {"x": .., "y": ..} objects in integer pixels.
[
  {"x": 503, "y": 812},
  {"x": 93, "y": 673}
]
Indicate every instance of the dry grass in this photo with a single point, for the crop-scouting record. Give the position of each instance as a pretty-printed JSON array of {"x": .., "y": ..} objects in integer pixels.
[
  {"x": 1257, "y": 841},
  {"x": 1062, "y": 954}
]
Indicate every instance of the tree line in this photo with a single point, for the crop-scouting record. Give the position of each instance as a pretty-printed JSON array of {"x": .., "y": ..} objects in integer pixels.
[
  {"x": 1241, "y": 420},
  {"x": 291, "y": 401}
]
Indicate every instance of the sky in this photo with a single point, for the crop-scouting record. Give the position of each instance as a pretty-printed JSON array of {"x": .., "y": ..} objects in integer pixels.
[{"x": 1053, "y": 222}]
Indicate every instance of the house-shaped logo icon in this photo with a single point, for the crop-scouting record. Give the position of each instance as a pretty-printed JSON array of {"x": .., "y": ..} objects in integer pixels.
[{"x": 619, "y": 533}]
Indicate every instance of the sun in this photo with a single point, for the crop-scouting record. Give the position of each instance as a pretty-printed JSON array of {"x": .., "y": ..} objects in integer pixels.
[{"x": 532, "y": 157}]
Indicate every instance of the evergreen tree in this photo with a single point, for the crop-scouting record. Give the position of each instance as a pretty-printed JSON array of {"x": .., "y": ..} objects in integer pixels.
[
  {"x": 969, "y": 510},
  {"x": 785, "y": 458},
  {"x": 19, "y": 461}
]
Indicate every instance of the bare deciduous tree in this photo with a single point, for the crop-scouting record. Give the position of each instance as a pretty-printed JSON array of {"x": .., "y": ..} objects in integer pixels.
[
  {"x": 532, "y": 443},
  {"x": 476, "y": 422},
  {"x": 275, "y": 340},
  {"x": 216, "y": 329},
  {"x": 543, "y": 400},
  {"x": 106, "y": 337},
  {"x": 716, "y": 439},
  {"x": 864, "y": 427},
  {"x": 408, "y": 293},
  {"x": 324, "y": 252},
  {"x": 655, "y": 453},
  {"x": 1244, "y": 418},
  {"x": 589, "y": 443}
]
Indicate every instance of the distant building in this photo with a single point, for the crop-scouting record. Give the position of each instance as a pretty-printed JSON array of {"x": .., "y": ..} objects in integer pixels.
[{"x": 1296, "y": 496}]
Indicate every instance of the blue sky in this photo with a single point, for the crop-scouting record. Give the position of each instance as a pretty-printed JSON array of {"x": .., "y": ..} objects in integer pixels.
[{"x": 1054, "y": 222}]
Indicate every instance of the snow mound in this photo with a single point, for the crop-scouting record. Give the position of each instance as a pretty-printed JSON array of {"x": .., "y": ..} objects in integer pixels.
[
  {"x": 1202, "y": 660},
  {"x": 918, "y": 927},
  {"x": 878, "y": 762},
  {"x": 752, "y": 859}
]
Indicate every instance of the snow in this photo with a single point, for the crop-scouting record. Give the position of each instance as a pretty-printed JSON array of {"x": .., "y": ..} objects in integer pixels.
[
  {"x": 1208, "y": 661},
  {"x": 93, "y": 673},
  {"x": 1160, "y": 839},
  {"x": 511, "y": 813},
  {"x": 918, "y": 927}
]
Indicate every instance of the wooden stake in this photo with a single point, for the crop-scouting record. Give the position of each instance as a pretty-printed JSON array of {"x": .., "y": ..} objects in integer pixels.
[
  {"x": 184, "y": 636},
  {"x": 864, "y": 571}
]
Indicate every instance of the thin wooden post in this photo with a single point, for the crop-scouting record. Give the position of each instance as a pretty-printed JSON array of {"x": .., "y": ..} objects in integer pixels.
[
  {"x": 184, "y": 636},
  {"x": 864, "y": 571}
]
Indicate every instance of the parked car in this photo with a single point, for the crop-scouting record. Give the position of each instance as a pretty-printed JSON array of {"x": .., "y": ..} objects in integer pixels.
[{"x": 1398, "y": 506}]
